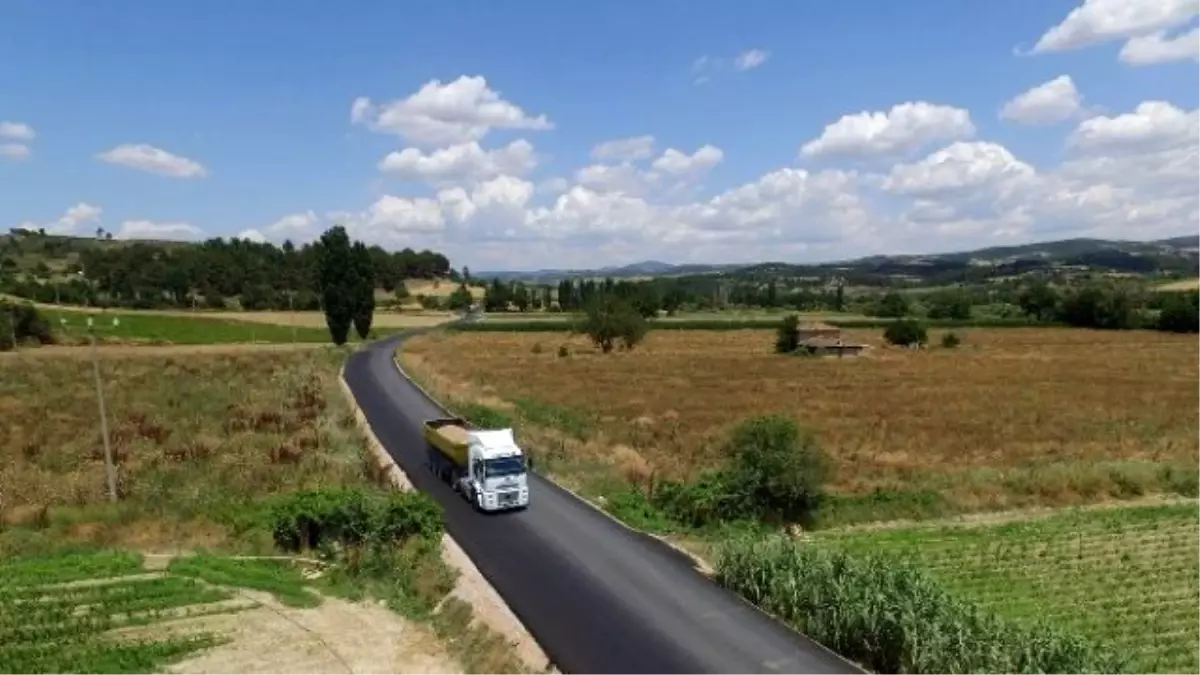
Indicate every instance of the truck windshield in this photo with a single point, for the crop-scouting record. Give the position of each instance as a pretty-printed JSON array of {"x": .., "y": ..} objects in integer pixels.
[{"x": 504, "y": 466}]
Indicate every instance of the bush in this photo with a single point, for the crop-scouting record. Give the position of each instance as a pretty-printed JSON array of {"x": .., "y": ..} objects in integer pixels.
[
  {"x": 775, "y": 474},
  {"x": 892, "y": 305},
  {"x": 906, "y": 332},
  {"x": 1098, "y": 307},
  {"x": 890, "y": 617},
  {"x": 952, "y": 304},
  {"x": 22, "y": 322},
  {"x": 609, "y": 319},
  {"x": 951, "y": 340},
  {"x": 563, "y": 352},
  {"x": 1180, "y": 313},
  {"x": 537, "y": 348},
  {"x": 787, "y": 337},
  {"x": 351, "y": 518},
  {"x": 485, "y": 417}
]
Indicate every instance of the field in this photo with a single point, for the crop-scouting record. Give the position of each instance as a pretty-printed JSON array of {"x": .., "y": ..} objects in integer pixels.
[
  {"x": 1182, "y": 285},
  {"x": 1124, "y": 577},
  {"x": 197, "y": 438},
  {"x": 203, "y": 437},
  {"x": 1015, "y": 417}
]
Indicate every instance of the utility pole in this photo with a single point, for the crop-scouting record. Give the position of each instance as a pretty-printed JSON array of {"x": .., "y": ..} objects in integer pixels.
[{"x": 110, "y": 468}]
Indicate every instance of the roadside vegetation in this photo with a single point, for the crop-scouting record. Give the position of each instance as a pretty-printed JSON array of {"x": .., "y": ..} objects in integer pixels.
[{"x": 217, "y": 458}]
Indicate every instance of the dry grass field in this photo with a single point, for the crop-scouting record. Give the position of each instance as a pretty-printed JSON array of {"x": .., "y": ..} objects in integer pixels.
[
  {"x": 1013, "y": 418},
  {"x": 196, "y": 436},
  {"x": 1182, "y": 285}
]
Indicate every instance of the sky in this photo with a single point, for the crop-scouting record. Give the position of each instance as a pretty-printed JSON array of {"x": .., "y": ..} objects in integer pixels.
[{"x": 537, "y": 134}]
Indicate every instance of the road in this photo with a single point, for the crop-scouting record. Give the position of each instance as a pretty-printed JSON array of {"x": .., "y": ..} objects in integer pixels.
[{"x": 598, "y": 597}]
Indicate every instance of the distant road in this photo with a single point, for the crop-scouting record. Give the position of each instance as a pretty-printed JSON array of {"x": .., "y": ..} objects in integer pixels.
[{"x": 599, "y": 598}]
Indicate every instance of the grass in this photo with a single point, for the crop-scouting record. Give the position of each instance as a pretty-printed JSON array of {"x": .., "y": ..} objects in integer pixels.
[
  {"x": 1124, "y": 577},
  {"x": 558, "y": 323},
  {"x": 198, "y": 440},
  {"x": 1181, "y": 285},
  {"x": 202, "y": 443},
  {"x": 1013, "y": 418},
  {"x": 277, "y": 577}
]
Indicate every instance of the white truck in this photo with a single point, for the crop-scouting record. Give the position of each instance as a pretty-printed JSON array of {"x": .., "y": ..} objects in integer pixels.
[{"x": 486, "y": 467}]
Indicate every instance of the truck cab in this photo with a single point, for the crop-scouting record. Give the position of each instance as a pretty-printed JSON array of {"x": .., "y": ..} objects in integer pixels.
[{"x": 496, "y": 476}]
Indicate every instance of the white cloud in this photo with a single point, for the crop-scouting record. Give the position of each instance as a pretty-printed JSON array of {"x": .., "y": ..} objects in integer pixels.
[
  {"x": 751, "y": 59},
  {"x": 1156, "y": 47},
  {"x": 253, "y": 235},
  {"x": 1152, "y": 125},
  {"x": 1047, "y": 103},
  {"x": 17, "y": 131},
  {"x": 14, "y": 151},
  {"x": 553, "y": 186},
  {"x": 466, "y": 161},
  {"x": 678, "y": 163},
  {"x": 905, "y": 128},
  {"x": 623, "y": 177},
  {"x": 1098, "y": 21},
  {"x": 624, "y": 149},
  {"x": 79, "y": 220},
  {"x": 154, "y": 160},
  {"x": 958, "y": 167},
  {"x": 460, "y": 111},
  {"x": 146, "y": 229}
]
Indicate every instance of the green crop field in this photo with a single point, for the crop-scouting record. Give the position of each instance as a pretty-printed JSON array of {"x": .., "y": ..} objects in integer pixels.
[
  {"x": 157, "y": 328},
  {"x": 74, "y": 612},
  {"x": 1122, "y": 577}
]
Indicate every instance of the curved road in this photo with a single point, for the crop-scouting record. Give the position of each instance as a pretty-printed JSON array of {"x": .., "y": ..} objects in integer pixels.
[{"x": 599, "y": 598}]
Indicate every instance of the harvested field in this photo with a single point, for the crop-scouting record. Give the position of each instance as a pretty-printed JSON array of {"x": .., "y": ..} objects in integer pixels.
[{"x": 1013, "y": 418}]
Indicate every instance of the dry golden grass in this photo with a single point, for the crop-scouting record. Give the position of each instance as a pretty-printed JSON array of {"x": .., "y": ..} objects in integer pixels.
[
  {"x": 438, "y": 289},
  {"x": 1014, "y": 417},
  {"x": 1183, "y": 285},
  {"x": 418, "y": 318},
  {"x": 196, "y": 436}
]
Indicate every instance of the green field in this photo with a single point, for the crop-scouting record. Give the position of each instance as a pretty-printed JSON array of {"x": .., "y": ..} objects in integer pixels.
[
  {"x": 1122, "y": 577},
  {"x": 164, "y": 329},
  {"x": 62, "y": 613}
]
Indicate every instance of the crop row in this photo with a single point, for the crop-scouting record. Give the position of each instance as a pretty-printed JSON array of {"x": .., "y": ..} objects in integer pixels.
[{"x": 71, "y": 567}]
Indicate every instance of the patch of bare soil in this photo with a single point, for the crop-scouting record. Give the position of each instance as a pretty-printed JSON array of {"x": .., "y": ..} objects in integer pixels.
[{"x": 336, "y": 637}]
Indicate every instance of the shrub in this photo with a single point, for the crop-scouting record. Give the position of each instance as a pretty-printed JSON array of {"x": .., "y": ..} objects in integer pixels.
[
  {"x": 1180, "y": 313},
  {"x": 1098, "y": 307},
  {"x": 787, "y": 336},
  {"x": 537, "y": 348},
  {"x": 484, "y": 417},
  {"x": 777, "y": 472},
  {"x": 23, "y": 322},
  {"x": 563, "y": 352},
  {"x": 951, "y": 304},
  {"x": 890, "y": 617},
  {"x": 906, "y": 332},
  {"x": 951, "y": 340},
  {"x": 351, "y": 518},
  {"x": 892, "y": 305}
]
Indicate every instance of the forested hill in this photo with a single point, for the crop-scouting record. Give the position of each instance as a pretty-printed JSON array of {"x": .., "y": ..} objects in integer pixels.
[{"x": 158, "y": 274}]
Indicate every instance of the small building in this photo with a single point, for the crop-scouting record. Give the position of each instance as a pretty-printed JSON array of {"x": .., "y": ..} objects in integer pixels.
[
  {"x": 823, "y": 345},
  {"x": 816, "y": 329}
]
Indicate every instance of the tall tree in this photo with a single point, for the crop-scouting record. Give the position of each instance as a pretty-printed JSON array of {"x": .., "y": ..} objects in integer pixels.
[
  {"x": 335, "y": 260},
  {"x": 364, "y": 282}
]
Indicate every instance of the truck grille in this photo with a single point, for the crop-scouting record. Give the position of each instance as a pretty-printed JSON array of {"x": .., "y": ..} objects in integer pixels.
[{"x": 507, "y": 498}]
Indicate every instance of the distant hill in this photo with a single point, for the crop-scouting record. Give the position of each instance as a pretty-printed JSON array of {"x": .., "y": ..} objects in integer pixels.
[{"x": 1175, "y": 255}]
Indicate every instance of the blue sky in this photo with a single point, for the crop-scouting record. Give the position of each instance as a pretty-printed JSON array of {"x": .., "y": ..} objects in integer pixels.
[{"x": 253, "y": 101}]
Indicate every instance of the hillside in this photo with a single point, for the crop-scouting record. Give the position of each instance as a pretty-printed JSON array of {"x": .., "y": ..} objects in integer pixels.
[{"x": 1175, "y": 256}]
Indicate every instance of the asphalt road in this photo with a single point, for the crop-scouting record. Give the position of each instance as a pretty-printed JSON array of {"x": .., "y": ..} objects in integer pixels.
[{"x": 598, "y": 597}]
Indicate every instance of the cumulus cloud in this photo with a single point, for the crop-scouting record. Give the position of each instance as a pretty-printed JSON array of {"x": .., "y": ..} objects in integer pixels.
[
  {"x": 1098, "y": 21},
  {"x": 624, "y": 177},
  {"x": 905, "y": 128},
  {"x": 1152, "y": 125},
  {"x": 147, "y": 229},
  {"x": 150, "y": 159},
  {"x": 958, "y": 167},
  {"x": 465, "y": 161},
  {"x": 79, "y": 220},
  {"x": 675, "y": 162},
  {"x": 17, "y": 131},
  {"x": 450, "y": 113},
  {"x": 1157, "y": 47},
  {"x": 624, "y": 149},
  {"x": 14, "y": 151},
  {"x": 1047, "y": 103}
]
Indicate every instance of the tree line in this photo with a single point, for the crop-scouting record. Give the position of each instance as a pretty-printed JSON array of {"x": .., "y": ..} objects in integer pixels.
[{"x": 154, "y": 275}]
